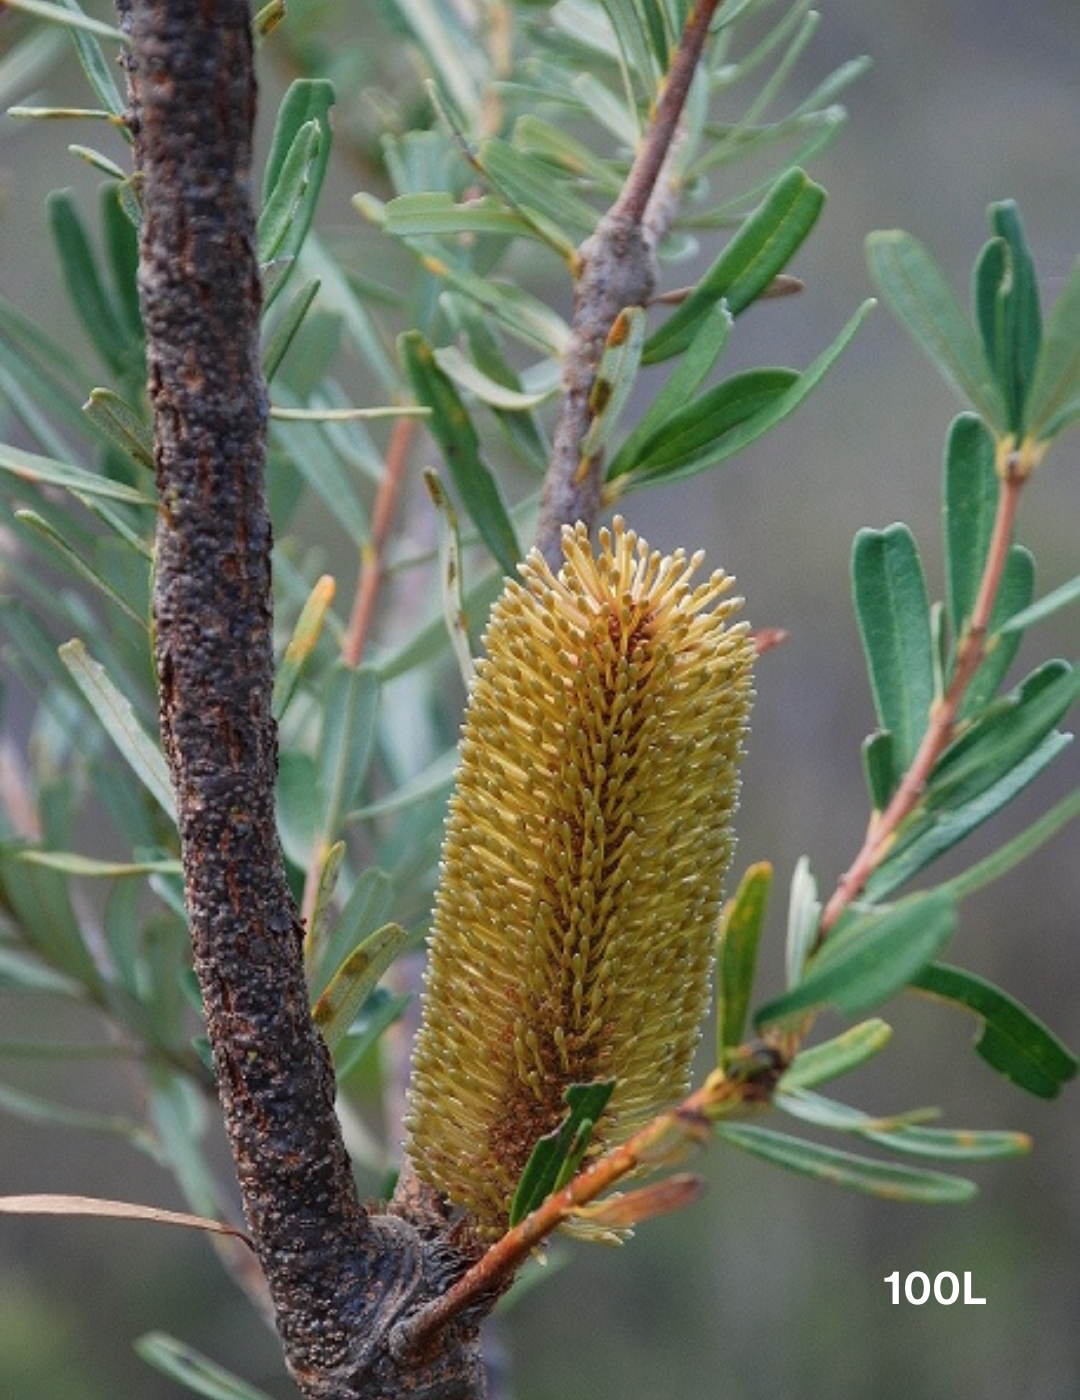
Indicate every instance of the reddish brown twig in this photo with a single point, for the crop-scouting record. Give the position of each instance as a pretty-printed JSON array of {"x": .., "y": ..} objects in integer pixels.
[
  {"x": 971, "y": 651},
  {"x": 372, "y": 557},
  {"x": 667, "y": 1137}
]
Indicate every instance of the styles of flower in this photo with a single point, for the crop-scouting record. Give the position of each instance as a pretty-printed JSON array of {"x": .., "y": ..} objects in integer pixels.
[{"x": 587, "y": 840}]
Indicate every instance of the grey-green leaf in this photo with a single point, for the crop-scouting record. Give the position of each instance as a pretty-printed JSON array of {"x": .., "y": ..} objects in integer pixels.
[
  {"x": 867, "y": 959},
  {"x": 894, "y": 621},
  {"x": 915, "y": 288}
]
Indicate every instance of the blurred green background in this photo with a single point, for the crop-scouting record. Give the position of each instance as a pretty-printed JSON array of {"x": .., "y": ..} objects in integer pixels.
[{"x": 773, "y": 1286}]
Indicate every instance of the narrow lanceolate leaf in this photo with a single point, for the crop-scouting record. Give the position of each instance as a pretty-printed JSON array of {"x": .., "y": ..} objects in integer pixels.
[
  {"x": 741, "y": 923},
  {"x": 355, "y": 980},
  {"x": 558, "y": 1154},
  {"x": 894, "y": 620},
  {"x": 875, "y": 1178},
  {"x": 75, "y": 561},
  {"x": 1054, "y": 601},
  {"x": 833, "y": 1058},
  {"x": 867, "y": 959},
  {"x": 71, "y": 863},
  {"x": 915, "y": 288},
  {"x": 276, "y": 345},
  {"x": 194, "y": 1371},
  {"x": 763, "y": 247},
  {"x": 348, "y": 731},
  {"x": 44, "y": 471},
  {"x": 121, "y": 424},
  {"x": 1054, "y": 400},
  {"x": 302, "y": 643},
  {"x": 581, "y": 870},
  {"x": 364, "y": 913},
  {"x": 451, "y": 575},
  {"x": 1004, "y": 736},
  {"x": 970, "y": 504},
  {"x": 85, "y": 286},
  {"x": 939, "y": 829},
  {"x": 1014, "y": 595},
  {"x": 902, "y": 1132},
  {"x": 691, "y": 369},
  {"x": 1012, "y": 1040},
  {"x": 615, "y": 377},
  {"x": 453, "y": 430},
  {"x": 68, "y": 15},
  {"x": 118, "y": 718},
  {"x": 777, "y": 393},
  {"x": 1012, "y": 329}
]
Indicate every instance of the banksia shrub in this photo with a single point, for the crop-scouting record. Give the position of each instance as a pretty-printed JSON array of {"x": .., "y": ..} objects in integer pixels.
[{"x": 587, "y": 839}]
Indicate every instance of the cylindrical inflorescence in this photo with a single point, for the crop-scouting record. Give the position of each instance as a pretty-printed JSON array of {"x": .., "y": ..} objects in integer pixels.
[{"x": 581, "y": 873}]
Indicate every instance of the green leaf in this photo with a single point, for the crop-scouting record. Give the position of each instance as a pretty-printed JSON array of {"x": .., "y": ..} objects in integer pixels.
[
  {"x": 63, "y": 12},
  {"x": 364, "y": 913},
  {"x": 193, "y": 1370},
  {"x": 122, "y": 425},
  {"x": 558, "y": 1154},
  {"x": 1011, "y": 1039},
  {"x": 117, "y": 716},
  {"x": 94, "y": 65},
  {"x": 1054, "y": 400},
  {"x": 345, "y": 741},
  {"x": 40, "y": 901},
  {"x": 121, "y": 243},
  {"x": 1053, "y": 602},
  {"x": 74, "y": 560},
  {"x": 453, "y": 430},
  {"x": 695, "y": 437},
  {"x": 763, "y": 246},
  {"x": 866, "y": 959},
  {"x": 894, "y": 621},
  {"x": 741, "y": 923},
  {"x": 32, "y": 1108},
  {"x": 1001, "y": 861},
  {"x": 879, "y": 768},
  {"x": 560, "y": 218},
  {"x": 902, "y": 1133},
  {"x": 915, "y": 289},
  {"x": 971, "y": 489},
  {"x": 490, "y": 391},
  {"x": 20, "y": 973},
  {"x": 1003, "y": 736},
  {"x": 71, "y": 863},
  {"x": 1015, "y": 592},
  {"x": 774, "y": 408},
  {"x": 451, "y": 575},
  {"x": 378, "y": 1013},
  {"x": 615, "y": 377},
  {"x": 85, "y": 285},
  {"x": 690, "y": 371},
  {"x": 838, "y": 1056},
  {"x": 804, "y": 910},
  {"x": 1015, "y": 351},
  {"x": 355, "y": 980},
  {"x": 435, "y": 214},
  {"x": 875, "y": 1178},
  {"x": 523, "y": 315},
  {"x": 307, "y": 100},
  {"x": 302, "y": 643},
  {"x": 276, "y": 344},
  {"x": 935, "y": 832},
  {"x": 45, "y": 471}
]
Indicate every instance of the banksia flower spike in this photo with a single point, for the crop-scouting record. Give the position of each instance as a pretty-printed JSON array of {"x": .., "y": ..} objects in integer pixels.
[{"x": 587, "y": 839}]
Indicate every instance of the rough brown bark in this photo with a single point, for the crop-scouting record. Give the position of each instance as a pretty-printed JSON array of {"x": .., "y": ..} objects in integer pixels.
[{"x": 338, "y": 1275}]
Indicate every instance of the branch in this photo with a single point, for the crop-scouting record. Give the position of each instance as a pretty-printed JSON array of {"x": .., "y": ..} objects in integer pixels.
[
  {"x": 749, "y": 1080},
  {"x": 336, "y": 1274},
  {"x": 941, "y": 729},
  {"x": 615, "y": 268}
]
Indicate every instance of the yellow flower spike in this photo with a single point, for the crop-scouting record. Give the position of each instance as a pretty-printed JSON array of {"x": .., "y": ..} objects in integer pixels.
[{"x": 580, "y": 881}]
